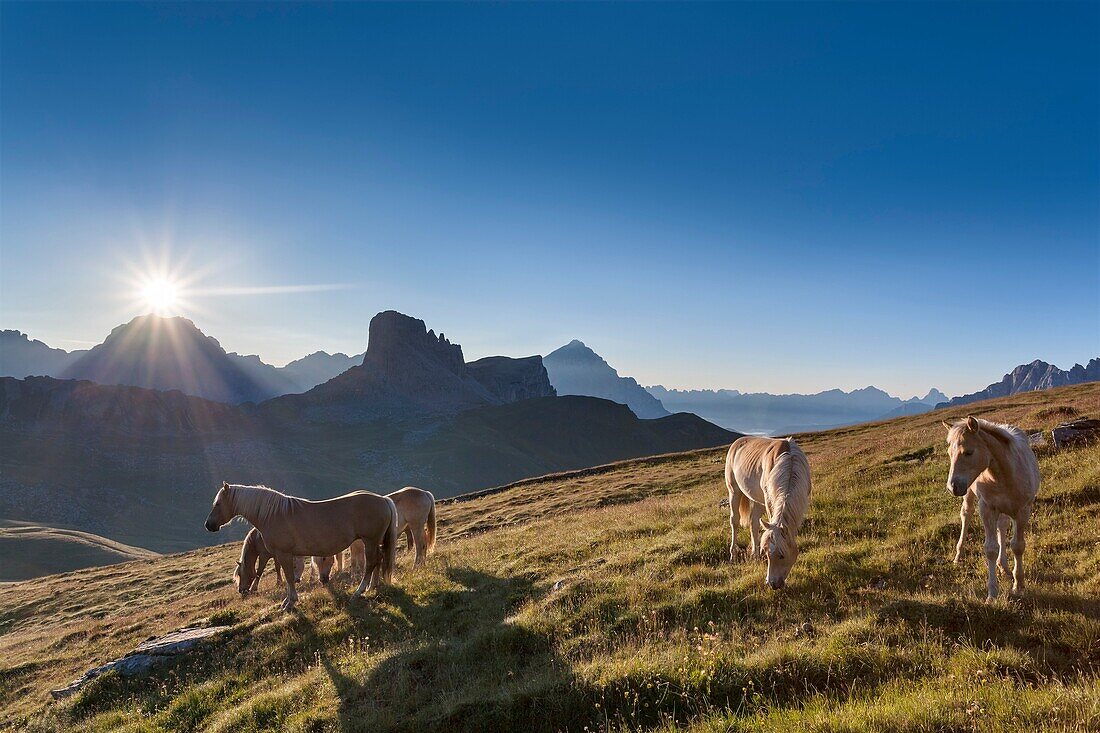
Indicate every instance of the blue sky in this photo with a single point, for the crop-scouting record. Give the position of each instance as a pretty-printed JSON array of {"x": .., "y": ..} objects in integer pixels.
[{"x": 780, "y": 197}]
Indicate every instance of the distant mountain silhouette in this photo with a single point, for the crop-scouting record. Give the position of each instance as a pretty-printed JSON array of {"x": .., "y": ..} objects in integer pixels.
[
  {"x": 21, "y": 356},
  {"x": 169, "y": 353},
  {"x": 575, "y": 369},
  {"x": 73, "y": 452},
  {"x": 409, "y": 371},
  {"x": 787, "y": 413},
  {"x": 1034, "y": 376},
  {"x": 317, "y": 368}
]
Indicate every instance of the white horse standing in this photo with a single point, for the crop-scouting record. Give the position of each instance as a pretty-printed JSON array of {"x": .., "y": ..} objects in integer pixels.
[
  {"x": 768, "y": 474},
  {"x": 994, "y": 465}
]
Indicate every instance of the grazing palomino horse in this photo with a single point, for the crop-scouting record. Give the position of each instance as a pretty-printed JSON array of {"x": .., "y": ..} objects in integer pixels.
[
  {"x": 291, "y": 526},
  {"x": 253, "y": 562},
  {"x": 994, "y": 465},
  {"x": 768, "y": 474},
  {"x": 415, "y": 518},
  {"x": 255, "y": 555}
]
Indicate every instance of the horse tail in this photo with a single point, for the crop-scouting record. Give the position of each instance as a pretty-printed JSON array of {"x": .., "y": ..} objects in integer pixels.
[
  {"x": 431, "y": 526},
  {"x": 389, "y": 544}
]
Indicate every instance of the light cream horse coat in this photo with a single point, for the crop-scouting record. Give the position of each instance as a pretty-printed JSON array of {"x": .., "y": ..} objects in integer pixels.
[
  {"x": 291, "y": 527},
  {"x": 993, "y": 466},
  {"x": 772, "y": 475},
  {"x": 415, "y": 518}
]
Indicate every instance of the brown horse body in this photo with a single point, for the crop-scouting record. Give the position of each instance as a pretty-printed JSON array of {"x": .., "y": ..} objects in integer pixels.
[{"x": 292, "y": 527}]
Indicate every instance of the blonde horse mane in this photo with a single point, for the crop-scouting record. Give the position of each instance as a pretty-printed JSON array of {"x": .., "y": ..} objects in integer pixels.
[
  {"x": 789, "y": 482},
  {"x": 258, "y": 502}
]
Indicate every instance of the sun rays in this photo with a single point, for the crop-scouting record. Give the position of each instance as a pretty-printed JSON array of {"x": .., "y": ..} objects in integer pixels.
[{"x": 159, "y": 295}]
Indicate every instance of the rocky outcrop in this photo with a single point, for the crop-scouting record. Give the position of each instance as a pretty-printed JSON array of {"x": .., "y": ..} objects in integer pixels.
[
  {"x": 1078, "y": 432},
  {"x": 147, "y": 655},
  {"x": 512, "y": 380},
  {"x": 408, "y": 371},
  {"x": 1030, "y": 377},
  {"x": 575, "y": 369}
]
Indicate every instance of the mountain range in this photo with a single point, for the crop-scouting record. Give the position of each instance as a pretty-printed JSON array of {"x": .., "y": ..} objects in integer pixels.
[
  {"x": 1029, "y": 377},
  {"x": 138, "y": 465},
  {"x": 170, "y": 353},
  {"x": 792, "y": 413}
]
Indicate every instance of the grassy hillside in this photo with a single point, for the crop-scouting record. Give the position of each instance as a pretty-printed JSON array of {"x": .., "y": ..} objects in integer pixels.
[
  {"x": 604, "y": 599},
  {"x": 30, "y": 550}
]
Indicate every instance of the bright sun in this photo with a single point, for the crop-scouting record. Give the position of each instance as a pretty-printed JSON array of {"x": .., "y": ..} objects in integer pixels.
[{"x": 159, "y": 295}]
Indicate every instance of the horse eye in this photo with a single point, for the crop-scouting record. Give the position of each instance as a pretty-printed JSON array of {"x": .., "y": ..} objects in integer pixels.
[{"x": 968, "y": 453}]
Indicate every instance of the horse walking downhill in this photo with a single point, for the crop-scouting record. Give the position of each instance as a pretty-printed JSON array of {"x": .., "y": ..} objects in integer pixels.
[
  {"x": 291, "y": 526},
  {"x": 993, "y": 465},
  {"x": 772, "y": 475}
]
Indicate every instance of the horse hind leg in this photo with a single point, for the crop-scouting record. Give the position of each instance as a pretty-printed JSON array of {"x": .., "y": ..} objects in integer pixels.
[
  {"x": 992, "y": 548},
  {"x": 965, "y": 513},
  {"x": 420, "y": 542},
  {"x": 1003, "y": 523}
]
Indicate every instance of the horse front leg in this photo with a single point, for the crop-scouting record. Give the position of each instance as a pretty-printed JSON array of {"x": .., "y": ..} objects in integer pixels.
[
  {"x": 992, "y": 547},
  {"x": 756, "y": 513},
  {"x": 965, "y": 513},
  {"x": 287, "y": 562},
  {"x": 260, "y": 567},
  {"x": 371, "y": 557},
  {"x": 1003, "y": 523}
]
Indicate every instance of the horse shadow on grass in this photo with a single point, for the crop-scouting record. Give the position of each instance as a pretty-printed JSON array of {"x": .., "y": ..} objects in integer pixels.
[
  {"x": 1044, "y": 625},
  {"x": 455, "y": 662}
]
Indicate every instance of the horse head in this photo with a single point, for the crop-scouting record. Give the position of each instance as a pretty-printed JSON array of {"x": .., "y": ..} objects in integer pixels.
[
  {"x": 780, "y": 550},
  {"x": 222, "y": 511},
  {"x": 969, "y": 454}
]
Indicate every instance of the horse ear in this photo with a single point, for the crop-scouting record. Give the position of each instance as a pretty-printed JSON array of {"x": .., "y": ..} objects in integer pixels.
[
  {"x": 225, "y": 484},
  {"x": 946, "y": 424},
  {"x": 972, "y": 424},
  {"x": 765, "y": 524}
]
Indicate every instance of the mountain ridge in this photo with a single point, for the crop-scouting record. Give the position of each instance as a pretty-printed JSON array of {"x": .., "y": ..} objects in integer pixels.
[
  {"x": 577, "y": 369},
  {"x": 1037, "y": 375}
]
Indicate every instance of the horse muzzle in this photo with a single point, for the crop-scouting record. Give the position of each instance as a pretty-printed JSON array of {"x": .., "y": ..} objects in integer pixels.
[
  {"x": 957, "y": 488},
  {"x": 776, "y": 584},
  {"x": 211, "y": 526}
]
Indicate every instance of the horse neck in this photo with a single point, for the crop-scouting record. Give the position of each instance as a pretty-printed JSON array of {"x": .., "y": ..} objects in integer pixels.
[
  {"x": 255, "y": 504},
  {"x": 1002, "y": 462},
  {"x": 788, "y": 511},
  {"x": 788, "y": 506}
]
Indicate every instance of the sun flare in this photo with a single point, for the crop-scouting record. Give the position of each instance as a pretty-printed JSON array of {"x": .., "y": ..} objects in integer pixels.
[{"x": 159, "y": 295}]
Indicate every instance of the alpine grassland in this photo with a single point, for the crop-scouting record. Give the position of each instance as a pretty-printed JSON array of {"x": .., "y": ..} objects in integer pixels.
[{"x": 605, "y": 600}]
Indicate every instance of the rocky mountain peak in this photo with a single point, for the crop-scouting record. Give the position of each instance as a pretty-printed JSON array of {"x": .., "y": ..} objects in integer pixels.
[{"x": 394, "y": 337}]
